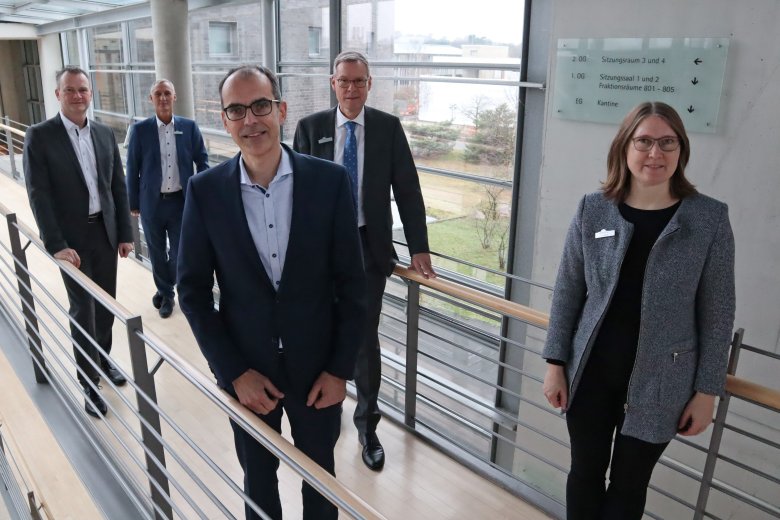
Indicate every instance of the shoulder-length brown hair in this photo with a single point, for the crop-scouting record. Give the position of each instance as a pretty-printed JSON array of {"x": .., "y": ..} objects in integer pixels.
[{"x": 618, "y": 182}]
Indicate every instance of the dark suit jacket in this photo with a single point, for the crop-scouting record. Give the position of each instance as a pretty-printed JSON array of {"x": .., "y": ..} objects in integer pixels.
[
  {"x": 144, "y": 178},
  {"x": 388, "y": 163},
  {"x": 58, "y": 192},
  {"x": 318, "y": 311}
]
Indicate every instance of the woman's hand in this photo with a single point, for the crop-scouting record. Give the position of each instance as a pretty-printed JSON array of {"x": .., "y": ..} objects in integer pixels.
[
  {"x": 555, "y": 388},
  {"x": 697, "y": 415}
]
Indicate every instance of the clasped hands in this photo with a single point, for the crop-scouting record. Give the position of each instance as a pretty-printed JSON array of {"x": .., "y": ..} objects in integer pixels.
[{"x": 258, "y": 393}]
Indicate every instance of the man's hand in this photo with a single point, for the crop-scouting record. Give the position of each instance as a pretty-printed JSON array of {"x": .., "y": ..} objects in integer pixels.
[
  {"x": 697, "y": 415},
  {"x": 69, "y": 255},
  {"x": 555, "y": 388},
  {"x": 421, "y": 262},
  {"x": 327, "y": 391},
  {"x": 256, "y": 392},
  {"x": 125, "y": 248},
  {"x": 135, "y": 212}
]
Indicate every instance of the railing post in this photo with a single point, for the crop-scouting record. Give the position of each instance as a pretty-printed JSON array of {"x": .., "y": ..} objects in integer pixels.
[
  {"x": 717, "y": 432},
  {"x": 155, "y": 457},
  {"x": 412, "y": 335},
  {"x": 35, "y": 513},
  {"x": 28, "y": 303},
  {"x": 10, "y": 143}
]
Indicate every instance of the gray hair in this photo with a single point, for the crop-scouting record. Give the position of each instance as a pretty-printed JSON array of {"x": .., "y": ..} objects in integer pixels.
[
  {"x": 69, "y": 69},
  {"x": 160, "y": 82},
  {"x": 351, "y": 57},
  {"x": 244, "y": 71}
]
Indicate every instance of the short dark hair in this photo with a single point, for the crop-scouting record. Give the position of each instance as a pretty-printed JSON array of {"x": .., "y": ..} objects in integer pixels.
[
  {"x": 69, "y": 69},
  {"x": 247, "y": 70},
  {"x": 351, "y": 57},
  {"x": 618, "y": 183}
]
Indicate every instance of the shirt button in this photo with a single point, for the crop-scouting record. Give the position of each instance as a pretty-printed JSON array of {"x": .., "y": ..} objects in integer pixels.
[
  {"x": 270, "y": 225},
  {"x": 277, "y": 283},
  {"x": 273, "y": 255},
  {"x": 267, "y": 195}
]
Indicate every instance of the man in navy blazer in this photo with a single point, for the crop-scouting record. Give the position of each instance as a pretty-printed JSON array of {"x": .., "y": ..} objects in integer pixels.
[
  {"x": 279, "y": 231},
  {"x": 160, "y": 157},
  {"x": 381, "y": 161}
]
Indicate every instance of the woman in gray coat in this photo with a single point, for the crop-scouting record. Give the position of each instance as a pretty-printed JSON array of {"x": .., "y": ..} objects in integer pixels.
[{"x": 641, "y": 316}]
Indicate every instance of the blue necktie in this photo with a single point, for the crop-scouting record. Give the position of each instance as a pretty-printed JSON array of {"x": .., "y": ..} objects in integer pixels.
[{"x": 351, "y": 160}]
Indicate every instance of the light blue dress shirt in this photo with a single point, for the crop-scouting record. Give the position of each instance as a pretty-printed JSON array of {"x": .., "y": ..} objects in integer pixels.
[{"x": 269, "y": 213}]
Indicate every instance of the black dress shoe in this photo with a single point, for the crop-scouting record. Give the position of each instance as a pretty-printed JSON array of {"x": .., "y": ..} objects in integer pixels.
[
  {"x": 166, "y": 309},
  {"x": 373, "y": 452},
  {"x": 112, "y": 374},
  {"x": 94, "y": 404},
  {"x": 157, "y": 300}
]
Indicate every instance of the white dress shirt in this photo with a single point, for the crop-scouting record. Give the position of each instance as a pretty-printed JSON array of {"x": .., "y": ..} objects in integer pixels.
[
  {"x": 338, "y": 151},
  {"x": 171, "y": 181},
  {"x": 81, "y": 139}
]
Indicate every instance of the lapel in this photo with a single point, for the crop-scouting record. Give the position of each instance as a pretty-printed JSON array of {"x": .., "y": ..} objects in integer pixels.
[
  {"x": 300, "y": 201},
  {"x": 372, "y": 149},
  {"x": 102, "y": 163},
  {"x": 236, "y": 218},
  {"x": 154, "y": 136},
  {"x": 67, "y": 145},
  {"x": 326, "y": 130}
]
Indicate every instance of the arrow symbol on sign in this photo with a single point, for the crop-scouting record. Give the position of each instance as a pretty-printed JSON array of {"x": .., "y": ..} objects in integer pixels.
[
  {"x": 690, "y": 109},
  {"x": 695, "y": 81},
  {"x": 697, "y": 61}
]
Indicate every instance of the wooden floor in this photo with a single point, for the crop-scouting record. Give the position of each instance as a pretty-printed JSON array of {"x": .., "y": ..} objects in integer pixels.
[{"x": 418, "y": 482}]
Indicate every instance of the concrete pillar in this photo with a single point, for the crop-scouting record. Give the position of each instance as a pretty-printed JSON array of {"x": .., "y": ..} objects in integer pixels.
[
  {"x": 172, "y": 50},
  {"x": 50, "y": 55}
]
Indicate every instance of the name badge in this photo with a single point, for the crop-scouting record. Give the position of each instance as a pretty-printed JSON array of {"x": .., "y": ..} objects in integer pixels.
[
  {"x": 604, "y": 233},
  {"x": 178, "y": 132},
  {"x": 325, "y": 140}
]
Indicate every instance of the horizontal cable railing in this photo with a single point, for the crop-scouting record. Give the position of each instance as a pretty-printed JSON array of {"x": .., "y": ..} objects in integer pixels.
[
  {"x": 146, "y": 441},
  {"x": 447, "y": 388}
]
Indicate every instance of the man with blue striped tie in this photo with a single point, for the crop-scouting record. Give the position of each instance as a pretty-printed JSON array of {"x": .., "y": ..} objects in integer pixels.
[{"x": 372, "y": 146}]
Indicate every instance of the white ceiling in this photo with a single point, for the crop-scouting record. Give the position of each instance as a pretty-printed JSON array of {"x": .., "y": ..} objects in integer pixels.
[{"x": 46, "y": 11}]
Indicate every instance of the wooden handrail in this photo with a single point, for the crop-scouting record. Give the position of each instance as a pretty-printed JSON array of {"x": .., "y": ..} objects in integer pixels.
[
  {"x": 12, "y": 129},
  {"x": 753, "y": 392},
  {"x": 297, "y": 456},
  {"x": 207, "y": 383},
  {"x": 734, "y": 385},
  {"x": 500, "y": 305}
]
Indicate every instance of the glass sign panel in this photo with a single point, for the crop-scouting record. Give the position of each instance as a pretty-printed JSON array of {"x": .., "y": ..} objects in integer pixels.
[{"x": 601, "y": 80}]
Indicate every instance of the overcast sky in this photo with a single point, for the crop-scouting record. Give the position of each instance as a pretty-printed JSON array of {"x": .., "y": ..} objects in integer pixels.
[{"x": 499, "y": 20}]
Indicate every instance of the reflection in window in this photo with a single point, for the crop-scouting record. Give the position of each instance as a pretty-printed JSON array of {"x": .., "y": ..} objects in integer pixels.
[
  {"x": 105, "y": 45},
  {"x": 222, "y": 37},
  {"x": 315, "y": 37}
]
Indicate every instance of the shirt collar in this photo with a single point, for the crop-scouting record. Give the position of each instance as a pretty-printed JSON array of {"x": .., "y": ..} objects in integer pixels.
[
  {"x": 284, "y": 168},
  {"x": 341, "y": 119},
  {"x": 160, "y": 123},
  {"x": 70, "y": 125}
]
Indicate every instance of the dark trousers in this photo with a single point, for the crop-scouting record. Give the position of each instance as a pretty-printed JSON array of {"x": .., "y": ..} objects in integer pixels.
[
  {"x": 314, "y": 432},
  {"x": 368, "y": 369},
  {"x": 595, "y": 414},
  {"x": 98, "y": 262},
  {"x": 163, "y": 228}
]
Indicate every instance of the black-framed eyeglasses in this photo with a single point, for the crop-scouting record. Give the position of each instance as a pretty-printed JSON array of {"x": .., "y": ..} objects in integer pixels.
[
  {"x": 357, "y": 83},
  {"x": 666, "y": 144},
  {"x": 259, "y": 107}
]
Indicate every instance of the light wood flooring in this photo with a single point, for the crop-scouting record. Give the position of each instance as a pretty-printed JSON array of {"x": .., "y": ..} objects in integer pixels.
[{"x": 418, "y": 482}]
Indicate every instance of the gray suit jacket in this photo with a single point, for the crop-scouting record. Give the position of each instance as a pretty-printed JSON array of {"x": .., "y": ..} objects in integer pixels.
[
  {"x": 58, "y": 192},
  {"x": 687, "y": 307},
  {"x": 388, "y": 164}
]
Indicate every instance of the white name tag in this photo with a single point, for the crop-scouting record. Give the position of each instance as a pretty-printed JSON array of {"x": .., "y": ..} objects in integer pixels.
[
  {"x": 605, "y": 233},
  {"x": 325, "y": 140}
]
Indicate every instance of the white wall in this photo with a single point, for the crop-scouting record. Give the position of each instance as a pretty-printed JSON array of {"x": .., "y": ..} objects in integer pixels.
[
  {"x": 50, "y": 53},
  {"x": 739, "y": 165}
]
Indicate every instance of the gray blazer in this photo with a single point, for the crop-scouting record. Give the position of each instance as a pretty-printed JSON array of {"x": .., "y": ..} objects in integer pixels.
[{"x": 687, "y": 307}]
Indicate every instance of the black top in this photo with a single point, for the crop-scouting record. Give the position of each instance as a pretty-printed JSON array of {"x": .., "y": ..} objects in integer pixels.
[{"x": 616, "y": 343}]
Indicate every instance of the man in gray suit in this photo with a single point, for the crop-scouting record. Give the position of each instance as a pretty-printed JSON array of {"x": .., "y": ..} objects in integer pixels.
[
  {"x": 76, "y": 188},
  {"x": 372, "y": 146}
]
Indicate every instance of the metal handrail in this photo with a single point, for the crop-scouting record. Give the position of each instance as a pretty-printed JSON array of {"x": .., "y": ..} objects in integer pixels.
[
  {"x": 735, "y": 387},
  {"x": 312, "y": 473}
]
